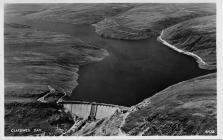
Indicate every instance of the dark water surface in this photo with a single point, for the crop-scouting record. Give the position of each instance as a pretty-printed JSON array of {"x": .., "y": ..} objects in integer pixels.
[{"x": 133, "y": 71}]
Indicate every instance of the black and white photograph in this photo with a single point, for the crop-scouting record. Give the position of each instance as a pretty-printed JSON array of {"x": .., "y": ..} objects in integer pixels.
[{"x": 110, "y": 69}]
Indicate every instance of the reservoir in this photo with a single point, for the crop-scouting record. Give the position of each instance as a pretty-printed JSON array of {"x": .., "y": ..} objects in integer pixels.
[{"x": 133, "y": 70}]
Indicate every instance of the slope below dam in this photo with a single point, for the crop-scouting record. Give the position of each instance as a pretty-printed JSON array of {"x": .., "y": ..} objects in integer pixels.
[{"x": 133, "y": 70}]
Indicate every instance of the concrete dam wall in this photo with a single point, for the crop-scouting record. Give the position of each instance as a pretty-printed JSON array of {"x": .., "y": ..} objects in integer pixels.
[{"x": 92, "y": 110}]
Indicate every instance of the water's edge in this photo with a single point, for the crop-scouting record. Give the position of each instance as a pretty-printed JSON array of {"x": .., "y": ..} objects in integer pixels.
[
  {"x": 199, "y": 60},
  {"x": 202, "y": 64}
]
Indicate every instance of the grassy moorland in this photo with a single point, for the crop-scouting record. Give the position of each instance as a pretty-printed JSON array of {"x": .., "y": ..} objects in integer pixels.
[
  {"x": 147, "y": 20},
  {"x": 49, "y": 118},
  {"x": 80, "y": 13},
  {"x": 197, "y": 36},
  {"x": 141, "y": 21},
  {"x": 24, "y": 9},
  {"x": 187, "y": 108},
  {"x": 35, "y": 60}
]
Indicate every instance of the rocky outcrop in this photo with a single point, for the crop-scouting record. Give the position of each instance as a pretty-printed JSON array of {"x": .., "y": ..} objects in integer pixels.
[{"x": 196, "y": 36}]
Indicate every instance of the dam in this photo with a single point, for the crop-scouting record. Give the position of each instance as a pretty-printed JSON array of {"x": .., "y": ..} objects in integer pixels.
[{"x": 91, "y": 110}]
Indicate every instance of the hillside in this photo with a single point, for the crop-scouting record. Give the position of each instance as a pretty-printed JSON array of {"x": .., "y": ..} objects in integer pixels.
[
  {"x": 80, "y": 13},
  {"x": 187, "y": 108},
  {"x": 39, "y": 56},
  {"x": 35, "y": 60},
  {"x": 197, "y": 36},
  {"x": 121, "y": 21},
  {"x": 181, "y": 23},
  {"x": 147, "y": 20}
]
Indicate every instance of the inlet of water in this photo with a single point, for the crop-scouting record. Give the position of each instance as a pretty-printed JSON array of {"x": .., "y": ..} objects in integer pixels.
[{"x": 133, "y": 71}]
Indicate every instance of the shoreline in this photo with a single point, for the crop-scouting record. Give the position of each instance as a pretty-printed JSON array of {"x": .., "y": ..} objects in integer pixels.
[
  {"x": 201, "y": 63},
  {"x": 105, "y": 53}
]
